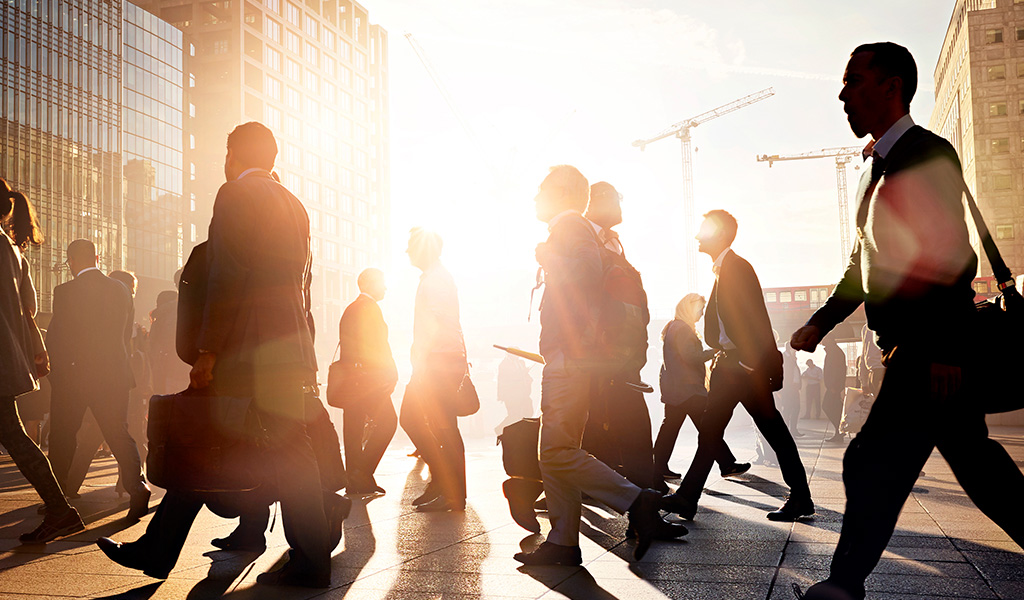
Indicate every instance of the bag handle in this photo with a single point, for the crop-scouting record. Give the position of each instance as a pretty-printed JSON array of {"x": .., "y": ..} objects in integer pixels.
[{"x": 1002, "y": 273}]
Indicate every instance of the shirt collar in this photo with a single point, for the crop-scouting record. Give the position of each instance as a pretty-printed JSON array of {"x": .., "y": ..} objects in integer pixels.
[
  {"x": 884, "y": 144},
  {"x": 251, "y": 171},
  {"x": 717, "y": 266},
  {"x": 368, "y": 296},
  {"x": 87, "y": 269},
  {"x": 554, "y": 221}
]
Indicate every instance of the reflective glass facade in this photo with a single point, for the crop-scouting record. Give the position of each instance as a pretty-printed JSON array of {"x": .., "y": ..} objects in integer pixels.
[
  {"x": 153, "y": 116},
  {"x": 60, "y": 126}
]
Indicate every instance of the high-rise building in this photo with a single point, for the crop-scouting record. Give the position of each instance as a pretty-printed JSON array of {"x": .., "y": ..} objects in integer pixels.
[
  {"x": 60, "y": 126},
  {"x": 979, "y": 108},
  {"x": 315, "y": 72},
  {"x": 154, "y": 117}
]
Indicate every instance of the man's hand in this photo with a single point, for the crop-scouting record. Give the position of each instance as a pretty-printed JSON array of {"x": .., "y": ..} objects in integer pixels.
[
  {"x": 805, "y": 338},
  {"x": 42, "y": 364},
  {"x": 945, "y": 381},
  {"x": 202, "y": 372}
]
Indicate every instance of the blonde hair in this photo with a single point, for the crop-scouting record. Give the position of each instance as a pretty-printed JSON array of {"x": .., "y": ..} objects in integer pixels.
[
  {"x": 688, "y": 312},
  {"x": 574, "y": 187}
]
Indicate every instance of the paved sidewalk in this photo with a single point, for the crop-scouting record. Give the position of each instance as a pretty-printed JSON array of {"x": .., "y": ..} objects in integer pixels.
[{"x": 943, "y": 548}]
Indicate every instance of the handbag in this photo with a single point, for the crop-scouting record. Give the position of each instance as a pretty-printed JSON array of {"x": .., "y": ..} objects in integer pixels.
[
  {"x": 999, "y": 321},
  {"x": 519, "y": 449},
  {"x": 467, "y": 401},
  {"x": 38, "y": 346},
  {"x": 349, "y": 383},
  {"x": 204, "y": 443}
]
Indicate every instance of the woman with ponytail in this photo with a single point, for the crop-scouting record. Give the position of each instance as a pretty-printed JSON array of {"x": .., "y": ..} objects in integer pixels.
[{"x": 23, "y": 361}]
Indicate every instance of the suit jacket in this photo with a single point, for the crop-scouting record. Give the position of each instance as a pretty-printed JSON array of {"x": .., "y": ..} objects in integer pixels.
[
  {"x": 364, "y": 335},
  {"x": 90, "y": 333},
  {"x": 738, "y": 300},
  {"x": 683, "y": 372},
  {"x": 255, "y": 305},
  {"x": 912, "y": 264}
]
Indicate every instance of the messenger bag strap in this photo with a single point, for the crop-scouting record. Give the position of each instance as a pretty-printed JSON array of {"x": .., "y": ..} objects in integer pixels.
[{"x": 999, "y": 269}]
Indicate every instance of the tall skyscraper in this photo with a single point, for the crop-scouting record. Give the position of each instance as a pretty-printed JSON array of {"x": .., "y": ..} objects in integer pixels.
[
  {"x": 315, "y": 72},
  {"x": 60, "y": 131},
  {"x": 979, "y": 108}
]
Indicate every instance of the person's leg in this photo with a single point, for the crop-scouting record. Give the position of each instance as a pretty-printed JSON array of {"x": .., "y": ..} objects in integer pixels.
[
  {"x": 323, "y": 437},
  {"x": 758, "y": 401},
  {"x": 448, "y": 452},
  {"x": 668, "y": 435},
  {"x": 65, "y": 420},
  {"x": 984, "y": 469},
  {"x": 29, "y": 459},
  {"x": 722, "y": 400},
  {"x": 385, "y": 423},
  {"x": 166, "y": 533},
  {"x": 695, "y": 407},
  {"x": 111, "y": 415},
  {"x": 353, "y": 426},
  {"x": 89, "y": 441},
  {"x": 416, "y": 406},
  {"x": 630, "y": 426},
  {"x": 879, "y": 470},
  {"x": 832, "y": 406},
  {"x": 567, "y": 469}
]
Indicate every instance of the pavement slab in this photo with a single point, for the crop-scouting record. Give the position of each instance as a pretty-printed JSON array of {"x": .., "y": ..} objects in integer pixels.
[{"x": 943, "y": 547}]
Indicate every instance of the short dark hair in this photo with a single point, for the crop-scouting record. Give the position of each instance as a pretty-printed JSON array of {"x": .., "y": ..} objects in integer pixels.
[
  {"x": 893, "y": 60},
  {"x": 82, "y": 249},
  {"x": 128, "y": 278},
  {"x": 726, "y": 222},
  {"x": 254, "y": 145}
]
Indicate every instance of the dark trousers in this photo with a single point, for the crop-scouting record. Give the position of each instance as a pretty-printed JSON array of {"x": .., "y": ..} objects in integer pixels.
[
  {"x": 832, "y": 406},
  {"x": 110, "y": 409},
  {"x": 29, "y": 459},
  {"x": 363, "y": 452},
  {"x": 675, "y": 416},
  {"x": 291, "y": 469},
  {"x": 731, "y": 384},
  {"x": 618, "y": 432},
  {"x": 790, "y": 401},
  {"x": 884, "y": 460},
  {"x": 430, "y": 422}
]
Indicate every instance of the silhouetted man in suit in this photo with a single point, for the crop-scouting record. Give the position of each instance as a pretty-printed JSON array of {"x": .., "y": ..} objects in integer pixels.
[
  {"x": 745, "y": 372},
  {"x": 912, "y": 268},
  {"x": 88, "y": 338},
  {"x": 363, "y": 336},
  {"x": 573, "y": 276},
  {"x": 254, "y": 340}
]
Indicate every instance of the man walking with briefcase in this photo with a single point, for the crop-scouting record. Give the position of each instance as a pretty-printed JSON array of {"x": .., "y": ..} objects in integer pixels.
[{"x": 254, "y": 341}]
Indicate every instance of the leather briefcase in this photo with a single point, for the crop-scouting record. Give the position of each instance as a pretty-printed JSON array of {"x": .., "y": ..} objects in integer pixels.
[
  {"x": 520, "y": 449},
  {"x": 204, "y": 443}
]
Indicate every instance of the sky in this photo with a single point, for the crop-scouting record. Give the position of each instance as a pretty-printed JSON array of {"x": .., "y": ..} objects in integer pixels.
[{"x": 541, "y": 83}]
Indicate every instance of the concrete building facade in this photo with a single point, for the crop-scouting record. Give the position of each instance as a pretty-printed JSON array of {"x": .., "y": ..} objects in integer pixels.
[
  {"x": 315, "y": 72},
  {"x": 979, "y": 108}
]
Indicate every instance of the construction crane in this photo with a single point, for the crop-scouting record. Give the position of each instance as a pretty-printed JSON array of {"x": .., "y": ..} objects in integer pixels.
[
  {"x": 681, "y": 130},
  {"x": 842, "y": 156}
]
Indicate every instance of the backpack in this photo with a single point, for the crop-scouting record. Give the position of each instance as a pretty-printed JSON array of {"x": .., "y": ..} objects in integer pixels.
[{"x": 622, "y": 315}]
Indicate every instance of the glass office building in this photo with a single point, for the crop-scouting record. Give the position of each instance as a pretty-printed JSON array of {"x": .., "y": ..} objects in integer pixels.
[
  {"x": 153, "y": 116},
  {"x": 60, "y": 126}
]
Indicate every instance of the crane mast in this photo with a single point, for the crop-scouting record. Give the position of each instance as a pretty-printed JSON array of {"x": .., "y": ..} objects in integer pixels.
[
  {"x": 842, "y": 156},
  {"x": 681, "y": 130}
]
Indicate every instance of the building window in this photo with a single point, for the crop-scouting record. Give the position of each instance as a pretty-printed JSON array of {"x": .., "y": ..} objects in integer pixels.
[
  {"x": 272, "y": 28},
  {"x": 997, "y": 73},
  {"x": 274, "y": 5},
  {"x": 997, "y": 109},
  {"x": 272, "y": 58},
  {"x": 1004, "y": 232},
  {"x": 1000, "y": 145},
  {"x": 220, "y": 46},
  {"x": 1022, "y": 107},
  {"x": 293, "y": 14},
  {"x": 1020, "y": 34},
  {"x": 800, "y": 296},
  {"x": 785, "y": 296},
  {"x": 994, "y": 36},
  {"x": 1001, "y": 181}
]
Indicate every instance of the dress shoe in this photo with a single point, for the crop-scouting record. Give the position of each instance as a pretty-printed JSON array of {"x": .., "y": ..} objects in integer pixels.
[
  {"x": 822, "y": 591},
  {"x": 428, "y": 495},
  {"x": 138, "y": 506},
  {"x": 53, "y": 527},
  {"x": 676, "y": 503},
  {"x": 668, "y": 473},
  {"x": 361, "y": 484},
  {"x": 645, "y": 518},
  {"x": 337, "y": 508},
  {"x": 241, "y": 542},
  {"x": 442, "y": 504},
  {"x": 550, "y": 553},
  {"x": 295, "y": 578},
  {"x": 792, "y": 510},
  {"x": 128, "y": 557},
  {"x": 521, "y": 494},
  {"x": 735, "y": 469}
]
